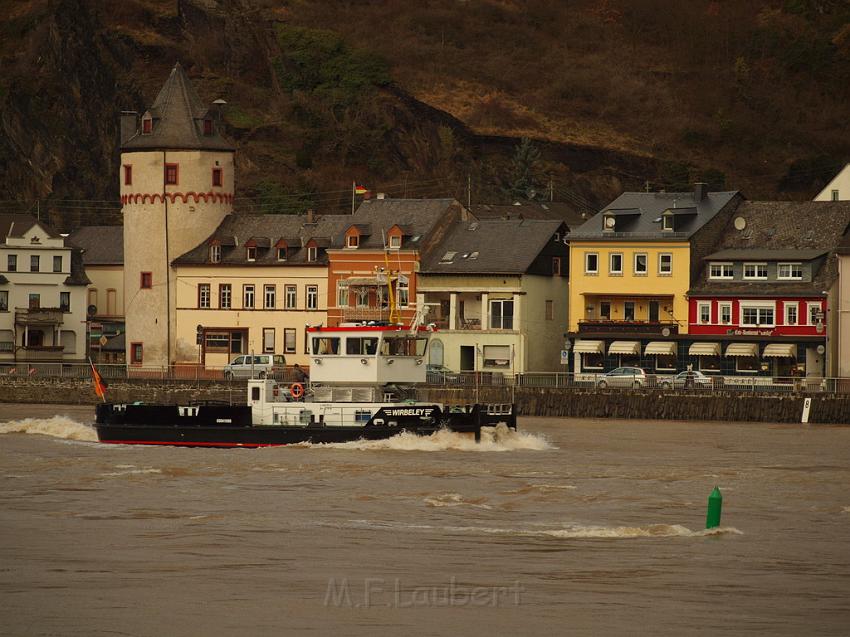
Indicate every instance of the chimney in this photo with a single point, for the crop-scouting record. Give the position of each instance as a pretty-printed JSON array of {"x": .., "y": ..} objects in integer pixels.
[
  {"x": 310, "y": 215},
  {"x": 700, "y": 191},
  {"x": 129, "y": 124}
]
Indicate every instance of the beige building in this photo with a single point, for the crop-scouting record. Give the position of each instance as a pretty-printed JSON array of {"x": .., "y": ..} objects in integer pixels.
[
  {"x": 497, "y": 292},
  {"x": 838, "y": 189},
  {"x": 42, "y": 294},
  {"x": 177, "y": 182}
]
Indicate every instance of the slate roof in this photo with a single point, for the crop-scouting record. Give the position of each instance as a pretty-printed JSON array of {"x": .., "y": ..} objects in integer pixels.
[
  {"x": 532, "y": 210},
  {"x": 236, "y": 229},
  {"x": 503, "y": 246},
  {"x": 178, "y": 115},
  {"x": 691, "y": 215},
  {"x": 15, "y": 225},
  {"x": 101, "y": 245},
  {"x": 417, "y": 216},
  {"x": 814, "y": 228},
  {"x": 761, "y": 254}
]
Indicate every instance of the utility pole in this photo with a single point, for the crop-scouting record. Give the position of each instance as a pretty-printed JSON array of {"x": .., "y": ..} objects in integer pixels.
[
  {"x": 551, "y": 189},
  {"x": 468, "y": 191}
]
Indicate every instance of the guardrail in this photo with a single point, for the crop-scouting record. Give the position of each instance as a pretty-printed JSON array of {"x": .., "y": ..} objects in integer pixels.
[{"x": 123, "y": 372}]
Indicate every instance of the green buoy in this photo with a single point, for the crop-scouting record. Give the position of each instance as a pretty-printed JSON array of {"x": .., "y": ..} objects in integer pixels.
[{"x": 715, "y": 504}]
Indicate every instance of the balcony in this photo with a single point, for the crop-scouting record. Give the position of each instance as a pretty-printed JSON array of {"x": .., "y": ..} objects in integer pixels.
[
  {"x": 354, "y": 314},
  {"x": 38, "y": 316},
  {"x": 609, "y": 326},
  {"x": 40, "y": 353}
]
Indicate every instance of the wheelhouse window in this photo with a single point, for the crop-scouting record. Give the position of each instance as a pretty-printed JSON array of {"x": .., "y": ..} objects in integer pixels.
[
  {"x": 290, "y": 299},
  {"x": 57, "y": 264},
  {"x": 128, "y": 175},
  {"x": 720, "y": 271},
  {"x": 217, "y": 177},
  {"x": 146, "y": 280},
  {"x": 665, "y": 264},
  {"x": 591, "y": 263},
  {"x": 755, "y": 271},
  {"x": 357, "y": 346},
  {"x": 171, "y": 174},
  {"x": 269, "y": 296},
  {"x": 790, "y": 271},
  {"x": 615, "y": 263},
  {"x": 215, "y": 253},
  {"x": 403, "y": 346},
  {"x": 203, "y": 295},
  {"x": 312, "y": 292},
  {"x": 325, "y": 345},
  {"x": 501, "y": 314},
  {"x": 248, "y": 297},
  {"x": 641, "y": 263},
  {"x": 225, "y": 296}
]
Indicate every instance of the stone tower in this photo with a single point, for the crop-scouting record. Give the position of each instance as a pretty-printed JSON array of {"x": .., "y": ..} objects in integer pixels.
[{"x": 177, "y": 183}]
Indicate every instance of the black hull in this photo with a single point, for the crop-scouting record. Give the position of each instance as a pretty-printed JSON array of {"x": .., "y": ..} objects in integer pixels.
[{"x": 227, "y": 426}]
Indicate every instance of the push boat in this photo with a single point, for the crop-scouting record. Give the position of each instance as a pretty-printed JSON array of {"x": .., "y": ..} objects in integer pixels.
[{"x": 362, "y": 385}]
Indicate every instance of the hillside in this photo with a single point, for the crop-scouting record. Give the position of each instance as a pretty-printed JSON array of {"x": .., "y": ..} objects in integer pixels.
[{"x": 426, "y": 98}]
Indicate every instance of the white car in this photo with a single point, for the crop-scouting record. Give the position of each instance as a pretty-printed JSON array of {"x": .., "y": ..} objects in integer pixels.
[
  {"x": 679, "y": 381},
  {"x": 255, "y": 366},
  {"x": 622, "y": 377}
]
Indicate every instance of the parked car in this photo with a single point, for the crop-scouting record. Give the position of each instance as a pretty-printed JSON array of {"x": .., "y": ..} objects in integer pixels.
[
  {"x": 255, "y": 366},
  {"x": 441, "y": 374},
  {"x": 622, "y": 377},
  {"x": 679, "y": 380}
]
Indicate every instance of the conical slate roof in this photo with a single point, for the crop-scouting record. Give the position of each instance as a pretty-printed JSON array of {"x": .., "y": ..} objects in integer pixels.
[{"x": 178, "y": 120}]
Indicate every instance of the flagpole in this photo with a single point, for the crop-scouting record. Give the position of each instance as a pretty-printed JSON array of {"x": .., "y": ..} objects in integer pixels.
[
  {"x": 353, "y": 189},
  {"x": 96, "y": 375}
]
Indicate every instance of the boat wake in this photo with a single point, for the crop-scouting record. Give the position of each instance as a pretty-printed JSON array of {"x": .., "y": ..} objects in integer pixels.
[
  {"x": 569, "y": 531},
  {"x": 498, "y": 438},
  {"x": 56, "y": 427},
  {"x": 455, "y": 500}
]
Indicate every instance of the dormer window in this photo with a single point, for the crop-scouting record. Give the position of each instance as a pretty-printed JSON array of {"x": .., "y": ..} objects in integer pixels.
[
  {"x": 147, "y": 126},
  {"x": 312, "y": 254},
  {"x": 353, "y": 241},
  {"x": 608, "y": 223},
  {"x": 281, "y": 254},
  {"x": 395, "y": 241},
  {"x": 251, "y": 253},
  {"x": 215, "y": 253},
  {"x": 667, "y": 223},
  {"x": 208, "y": 127}
]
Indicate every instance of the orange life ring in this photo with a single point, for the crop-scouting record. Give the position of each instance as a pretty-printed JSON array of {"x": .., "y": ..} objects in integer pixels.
[{"x": 297, "y": 390}]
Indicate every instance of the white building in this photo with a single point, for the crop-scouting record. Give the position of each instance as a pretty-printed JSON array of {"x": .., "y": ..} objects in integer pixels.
[
  {"x": 42, "y": 294},
  {"x": 838, "y": 189}
]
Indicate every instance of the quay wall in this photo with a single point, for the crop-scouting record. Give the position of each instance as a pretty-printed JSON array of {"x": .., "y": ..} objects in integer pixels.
[{"x": 531, "y": 401}]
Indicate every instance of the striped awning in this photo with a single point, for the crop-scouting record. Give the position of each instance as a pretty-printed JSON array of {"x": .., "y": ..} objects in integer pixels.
[
  {"x": 780, "y": 350},
  {"x": 589, "y": 347},
  {"x": 704, "y": 349},
  {"x": 742, "y": 349},
  {"x": 663, "y": 348},
  {"x": 624, "y": 347}
]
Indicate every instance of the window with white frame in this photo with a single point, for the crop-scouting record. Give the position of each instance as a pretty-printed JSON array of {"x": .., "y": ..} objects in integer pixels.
[
  {"x": 724, "y": 312},
  {"x": 204, "y": 295},
  {"x": 251, "y": 253},
  {"x": 704, "y": 313},
  {"x": 792, "y": 271},
  {"x": 289, "y": 335},
  {"x": 395, "y": 241},
  {"x": 281, "y": 254},
  {"x": 755, "y": 270},
  {"x": 248, "y": 297},
  {"x": 352, "y": 241},
  {"x": 403, "y": 293},
  {"x": 290, "y": 300},
  {"x": 591, "y": 263},
  {"x": 501, "y": 314},
  {"x": 312, "y": 297},
  {"x": 615, "y": 263},
  {"x": 224, "y": 296},
  {"x": 497, "y": 355},
  {"x": 312, "y": 254},
  {"x": 791, "y": 313},
  {"x": 341, "y": 294},
  {"x": 268, "y": 340},
  {"x": 665, "y": 263},
  {"x": 269, "y": 296},
  {"x": 362, "y": 296},
  {"x": 641, "y": 266},
  {"x": 215, "y": 253},
  {"x": 720, "y": 271},
  {"x": 667, "y": 222},
  {"x": 814, "y": 312},
  {"x": 834, "y": 195},
  {"x": 757, "y": 315}
]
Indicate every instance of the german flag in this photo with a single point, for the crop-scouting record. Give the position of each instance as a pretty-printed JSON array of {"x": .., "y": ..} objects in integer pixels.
[{"x": 99, "y": 384}]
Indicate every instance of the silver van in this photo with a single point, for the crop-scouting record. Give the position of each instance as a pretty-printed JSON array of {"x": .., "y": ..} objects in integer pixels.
[{"x": 255, "y": 366}]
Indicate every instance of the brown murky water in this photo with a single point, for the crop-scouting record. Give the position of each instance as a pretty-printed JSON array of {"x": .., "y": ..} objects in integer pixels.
[{"x": 575, "y": 527}]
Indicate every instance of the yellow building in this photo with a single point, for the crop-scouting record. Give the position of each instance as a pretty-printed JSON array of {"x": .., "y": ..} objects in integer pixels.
[{"x": 631, "y": 267}]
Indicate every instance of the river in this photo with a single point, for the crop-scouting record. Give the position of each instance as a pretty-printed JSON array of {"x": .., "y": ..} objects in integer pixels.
[{"x": 568, "y": 527}]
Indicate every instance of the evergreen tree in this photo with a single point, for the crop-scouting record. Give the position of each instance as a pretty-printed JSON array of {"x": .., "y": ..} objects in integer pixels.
[{"x": 523, "y": 182}]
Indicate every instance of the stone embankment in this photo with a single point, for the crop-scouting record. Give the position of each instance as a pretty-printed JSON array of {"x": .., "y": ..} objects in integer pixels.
[{"x": 531, "y": 401}]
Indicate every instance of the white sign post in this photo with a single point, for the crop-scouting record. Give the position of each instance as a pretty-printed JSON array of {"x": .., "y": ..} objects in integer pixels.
[{"x": 807, "y": 406}]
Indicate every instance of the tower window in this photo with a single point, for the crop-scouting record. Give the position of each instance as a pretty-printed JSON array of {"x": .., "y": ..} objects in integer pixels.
[
  {"x": 171, "y": 174},
  {"x": 128, "y": 175},
  {"x": 147, "y": 126},
  {"x": 208, "y": 129},
  {"x": 216, "y": 177}
]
